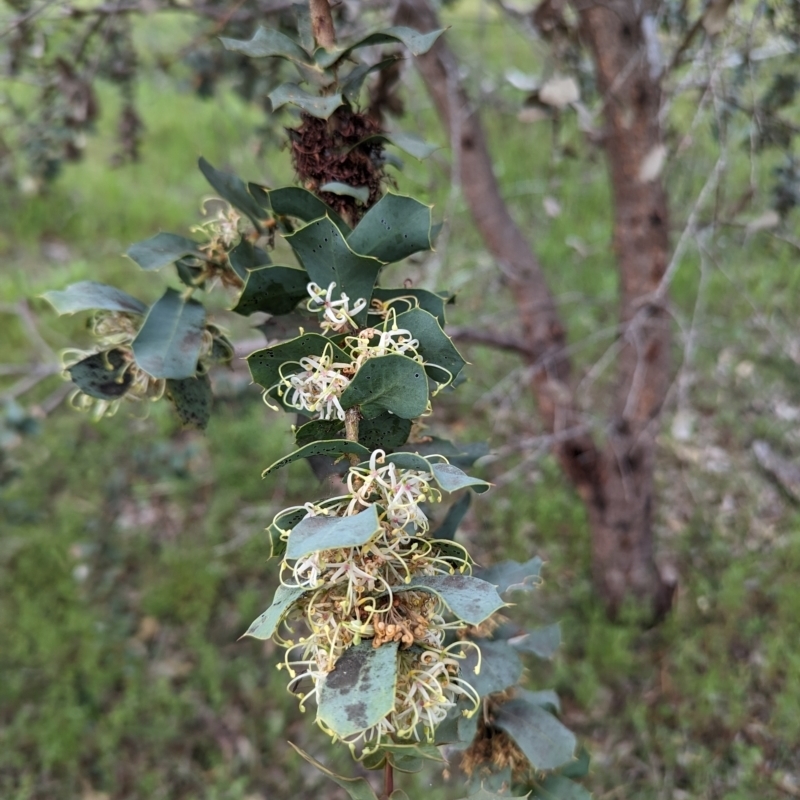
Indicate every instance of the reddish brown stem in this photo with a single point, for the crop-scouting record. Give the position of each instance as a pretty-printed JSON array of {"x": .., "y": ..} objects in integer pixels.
[{"x": 388, "y": 779}]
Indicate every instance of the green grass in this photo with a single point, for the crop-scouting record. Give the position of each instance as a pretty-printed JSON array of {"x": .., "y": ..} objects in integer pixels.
[{"x": 132, "y": 554}]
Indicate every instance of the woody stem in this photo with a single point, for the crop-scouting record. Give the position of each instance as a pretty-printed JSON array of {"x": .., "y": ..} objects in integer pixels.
[{"x": 322, "y": 23}]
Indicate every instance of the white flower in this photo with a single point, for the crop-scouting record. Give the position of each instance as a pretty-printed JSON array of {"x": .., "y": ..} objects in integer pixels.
[
  {"x": 318, "y": 387},
  {"x": 337, "y": 315}
]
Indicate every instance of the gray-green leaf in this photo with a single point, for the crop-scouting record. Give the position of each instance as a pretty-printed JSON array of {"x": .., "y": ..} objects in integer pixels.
[
  {"x": 330, "y": 447},
  {"x": 274, "y": 290},
  {"x": 384, "y": 431},
  {"x": 268, "y": 42},
  {"x": 233, "y": 189},
  {"x": 360, "y": 193},
  {"x": 169, "y": 341},
  {"x": 360, "y": 690},
  {"x": 500, "y": 667},
  {"x": 511, "y": 575},
  {"x": 388, "y": 383},
  {"x": 320, "y": 106},
  {"x": 313, "y": 534},
  {"x": 192, "y": 399},
  {"x": 162, "y": 250},
  {"x": 542, "y": 642},
  {"x": 470, "y": 599},
  {"x": 292, "y": 201},
  {"x": 443, "y": 362},
  {"x": 451, "y": 479},
  {"x": 285, "y": 597},
  {"x": 546, "y": 743},
  {"x": 323, "y": 251},
  {"x": 89, "y": 295},
  {"x": 557, "y": 787},
  {"x": 394, "y": 228}
]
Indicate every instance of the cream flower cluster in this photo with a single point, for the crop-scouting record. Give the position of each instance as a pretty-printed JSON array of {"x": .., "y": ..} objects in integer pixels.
[
  {"x": 319, "y": 383},
  {"x": 114, "y": 332},
  {"x": 358, "y": 593}
]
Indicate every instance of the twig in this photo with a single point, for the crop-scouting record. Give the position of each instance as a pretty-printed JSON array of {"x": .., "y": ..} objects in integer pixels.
[
  {"x": 490, "y": 339},
  {"x": 388, "y": 779}
]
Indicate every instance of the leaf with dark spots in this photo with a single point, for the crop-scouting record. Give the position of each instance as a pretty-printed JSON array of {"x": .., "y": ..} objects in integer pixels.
[
  {"x": 192, "y": 399},
  {"x": 103, "y": 375},
  {"x": 360, "y": 691}
]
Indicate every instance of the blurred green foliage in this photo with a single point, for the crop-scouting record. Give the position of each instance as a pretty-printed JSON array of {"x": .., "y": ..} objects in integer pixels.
[{"x": 132, "y": 553}]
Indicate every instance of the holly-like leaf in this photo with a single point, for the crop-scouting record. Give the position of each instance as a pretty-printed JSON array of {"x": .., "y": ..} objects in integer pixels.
[
  {"x": 513, "y": 576},
  {"x": 500, "y": 667},
  {"x": 233, "y": 189},
  {"x": 162, "y": 250},
  {"x": 192, "y": 399},
  {"x": 386, "y": 431},
  {"x": 557, "y": 787},
  {"x": 360, "y": 691},
  {"x": 443, "y": 362},
  {"x": 451, "y": 479},
  {"x": 285, "y": 597},
  {"x": 265, "y": 365},
  {"x": 360, "y": 193},
  {"x": 542, "y": 642},
  {"x": 418, "y": 43},
  {"x": 351, "y": 85},
  {"x": 269, "y": 42},
  {"x": 169, "y": 341},
  {"x": 245, "y": 256},
  {"x": 405, "y": 460},
  {"x": 470, "y": 599},
  {"x": 103, "y": 375},
  {"x": 274, "y": 290},
  {"x": 447, "y": 530},
  {"x": 394, "y": 228},
  {"x": 332, "y": 447},
  {"x": 356, "y": 788},
  {"x": 323, "y": 251},
  {"x": 313, "y": 534},
  {"x": 406, "y": 299},
  {"x": 89, "y": 295},
  {"x": 413, "y": 145},
  {"x": 546, "y": 698},
  {"x": 292, "y": 201},
  {"x": 546, "y": 743},
  {"x": 320, "y": 106},
  {"x": 319, "y": 429},
  {"x": 391, "y": 383}
]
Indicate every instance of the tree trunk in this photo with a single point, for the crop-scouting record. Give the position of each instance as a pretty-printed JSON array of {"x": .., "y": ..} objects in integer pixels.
[
  {"x": 629, "y": 82},
  {"x": 616, "y": 484}
]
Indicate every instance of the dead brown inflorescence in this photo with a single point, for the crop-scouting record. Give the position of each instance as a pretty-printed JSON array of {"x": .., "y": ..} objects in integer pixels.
[{"x": 341, "y": 149}]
